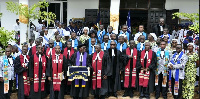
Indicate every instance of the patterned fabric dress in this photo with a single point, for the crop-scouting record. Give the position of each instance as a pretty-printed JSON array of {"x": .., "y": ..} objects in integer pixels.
[
  {"x": 190, "y": 76},
  {"x": 83, "y": 38}
]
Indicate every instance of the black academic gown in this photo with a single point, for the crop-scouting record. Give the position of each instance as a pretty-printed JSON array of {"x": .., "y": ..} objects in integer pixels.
[
  {"x": 114, "y": 72},
  {"x": 61, "y": 93},
  {"x": 19, "y": 70},
  {"x": 104, "y": 82},
  {"x": 125, "y": 62},
  {"x": 79, "y": 91},
  {"x": 152, "y": 68},
  {"x": 40, "y": 94}
]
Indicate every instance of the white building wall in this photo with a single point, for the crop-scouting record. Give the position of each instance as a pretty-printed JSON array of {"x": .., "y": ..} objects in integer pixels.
[
  {"x": 186, "y": 6},
  {"x": 76, "y": 8}
]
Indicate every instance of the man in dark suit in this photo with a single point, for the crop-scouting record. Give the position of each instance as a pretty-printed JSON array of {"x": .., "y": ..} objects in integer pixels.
[{"x": 158, "y": 29}]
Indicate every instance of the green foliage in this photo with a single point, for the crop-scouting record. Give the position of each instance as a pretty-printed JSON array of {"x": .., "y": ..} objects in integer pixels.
[
  {"x": 32, "y": 12},
  {"x": 194, "y": 17},
  {"x": 6, "y": 36},
  {"x": 0, "y": 15}
]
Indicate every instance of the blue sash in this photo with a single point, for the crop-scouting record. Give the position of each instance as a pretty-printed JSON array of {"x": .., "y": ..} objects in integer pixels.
[
  {"x": 62, "y": 34},
  {"x": 177, "y": 72},
  {"x": 100, "y": 38},
  {"x": 138, "y": 47},
  {"x": 60, "y": 44},
  {"x": 127, "y": 35},
  {"x": 123, "y": 47},
  {"x": 90, "y": 47},
  {"x": 168, "y": 39},
  {"x": 75, "y": 43},
  {"x": 108, "y": 46},
  {"x": 19, "y": 49},
  {"x": 46, "y": 38}
]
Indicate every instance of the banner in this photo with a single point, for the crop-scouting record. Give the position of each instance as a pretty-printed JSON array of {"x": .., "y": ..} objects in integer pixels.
[{"x": 114, "y": 15}]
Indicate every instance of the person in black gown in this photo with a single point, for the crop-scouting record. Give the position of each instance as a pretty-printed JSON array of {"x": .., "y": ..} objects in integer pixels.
[
  {"x": 100, "y": 66},
  {"x": 56, "y": 70},
  {"x": 115, "y": 70},
  {"x": 130, "y": 63},
  {"x": 80, "y": 58},
  {"x": 37, "y": 69},
  {"x": 21, "y": 68}
]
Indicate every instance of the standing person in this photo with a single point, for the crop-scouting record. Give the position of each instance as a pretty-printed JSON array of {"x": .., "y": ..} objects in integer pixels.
[
  {"x": 158, "y": 29},
  {"x": 115, "y": 69},
  {"x": 33, "y": 49},
  {"x": 121, "y": 45},
  {"x": 56, "y": 71},
  {"x": 37, "y": 74},
  {"x": 163, "y": 57},
  {"x": 91, "y": 47},
  {"x": 60, "y": 29},
  {"x": 110, "y": 31},
  {"x": 85, "y": 35},
  {"x": 166, "y": 32},
  {"x": 80, "y": 58},
  {"x": 21, "y": 68},
  {"x": 100, "y": 66},
  {"x": 124, "y": 31},
  {"x": 174, "y": 44},
  {"x": 6, "y": 74},
  {"x": 190, "y": 73},
  {"x": 50, "y": 50},
  {"x": 101, "y": 33},
  {"x": 140, "y": 46},
  {"x": 59, "y": 43},
  {"x": 105, "y": 45},
  {"x": 131, "y": 59},
  {"x": 168, "y": 45},
  {"x": 16, "y": 28},
  {"x": 74, "y": 40},
  {"x": 141, "y": 32},
  {"x": 147, "y": 68},
  {"x": 176, "y": 72},
  {"x": 68, "y": 52}
]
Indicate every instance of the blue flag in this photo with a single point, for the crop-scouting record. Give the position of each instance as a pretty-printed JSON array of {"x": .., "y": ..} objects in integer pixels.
[{"x": 129, "y": 22}]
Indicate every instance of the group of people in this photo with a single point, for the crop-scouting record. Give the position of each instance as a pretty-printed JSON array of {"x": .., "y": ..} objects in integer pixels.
[{"x": 159, "y": 62}]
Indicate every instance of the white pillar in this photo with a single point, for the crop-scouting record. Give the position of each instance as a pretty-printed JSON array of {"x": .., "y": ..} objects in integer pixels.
[
  {"x": 23, "y": 24},
  {"x": 114, "y": 15}
]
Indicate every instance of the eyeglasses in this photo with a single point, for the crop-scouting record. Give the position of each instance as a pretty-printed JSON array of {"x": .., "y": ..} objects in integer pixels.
[{"x": 178, "y": 47}]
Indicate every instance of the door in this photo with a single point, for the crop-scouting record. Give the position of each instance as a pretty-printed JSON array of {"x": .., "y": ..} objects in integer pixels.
[
  {"x": 154, "y": 15},
  {"x": 171, "y": 22}
]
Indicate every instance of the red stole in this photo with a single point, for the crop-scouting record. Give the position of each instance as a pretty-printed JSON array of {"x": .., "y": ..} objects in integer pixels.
[
  {"x": 47, "y": 52},
  {"x": 34, "y": 50},
  {"x": 36, "y": 72},
  {"x": 96, "y": 81},
  {"x": 66, "y": 52},
  {"x": 26, "y": 82},
  {"x": 144, "y": 77},
  {"x": 57, "y": 71},
  {"x": 127, "y": 68}
]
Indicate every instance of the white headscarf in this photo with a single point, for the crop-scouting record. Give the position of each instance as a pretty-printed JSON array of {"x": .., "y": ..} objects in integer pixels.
[
  {"x": 154, "y": 36},
  {"x": 86, "y": 29},
  {"x": 191, "y": 44}
]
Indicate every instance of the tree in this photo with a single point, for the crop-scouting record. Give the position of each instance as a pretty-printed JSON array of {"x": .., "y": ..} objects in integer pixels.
[
  {"x": 31, "y": 13},
  {"x": 5, "y": 36},
  {"x": 193, "y": 17}
]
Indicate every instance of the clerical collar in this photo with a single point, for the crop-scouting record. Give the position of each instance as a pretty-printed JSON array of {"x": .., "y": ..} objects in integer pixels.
[
  {"x": 113, "y": 52},
  {"x": 57, "y": 54}
]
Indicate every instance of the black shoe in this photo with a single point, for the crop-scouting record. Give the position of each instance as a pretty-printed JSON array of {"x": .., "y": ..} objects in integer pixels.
[
  {"x": 115, "y": 95},
  {"x": 147, "y": 97},
  {"x": 131, "y": 96},
  {"x": 124, "y": 95},
  {"x": 141, "y": 97}
]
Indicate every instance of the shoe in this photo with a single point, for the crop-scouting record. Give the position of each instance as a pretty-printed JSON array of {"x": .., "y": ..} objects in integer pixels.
[
  {"x": 115, "y": 95},
  {"x": 124, "y": 95},
  {"x": 131, "y": 96}
]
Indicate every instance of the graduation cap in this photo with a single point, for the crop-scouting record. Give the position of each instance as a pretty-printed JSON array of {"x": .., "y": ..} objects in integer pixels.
[{"x": 81, "y": 45}]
